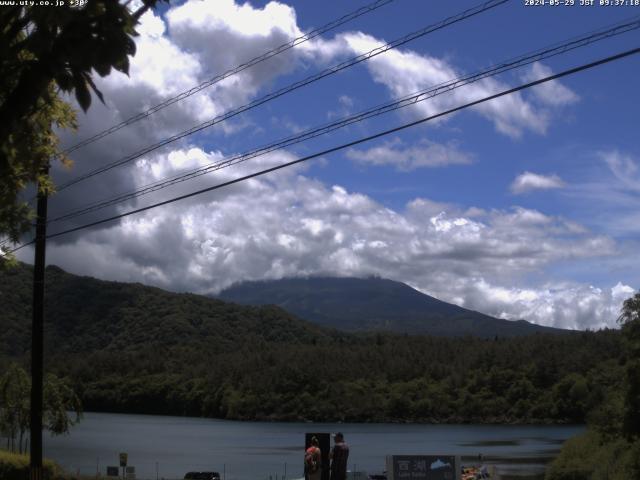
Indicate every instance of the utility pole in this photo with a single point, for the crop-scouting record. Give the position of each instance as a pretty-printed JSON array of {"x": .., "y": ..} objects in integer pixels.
[{"x": 37, "y": 364}]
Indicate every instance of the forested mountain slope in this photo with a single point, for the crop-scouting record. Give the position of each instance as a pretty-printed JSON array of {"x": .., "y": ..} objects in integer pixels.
[
  {"x": 84, "y": 314},
  {"x": 132, "y": 348},
  {"x": 362, "y": 304}
]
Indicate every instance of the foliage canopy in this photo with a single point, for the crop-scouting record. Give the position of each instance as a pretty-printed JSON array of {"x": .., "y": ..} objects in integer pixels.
[
  {"x": 59, "y": 399},
  {"x": 610, "y": 448},
  {"x": 45, "y": 51}
]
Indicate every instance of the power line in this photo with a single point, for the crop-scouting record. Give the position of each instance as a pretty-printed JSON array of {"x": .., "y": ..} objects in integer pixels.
[
  {"x": 352, "y": 143},
  {"x": 20, "y": 247},
  {"x": 517, "y": 62},
  {"x": 378, "y": 110},
  {"x": 294, "y": 86},
  {"x": 218, "y": 78}
]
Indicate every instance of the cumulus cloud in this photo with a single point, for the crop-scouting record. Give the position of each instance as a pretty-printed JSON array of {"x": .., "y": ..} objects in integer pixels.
[
  {"x": 223, "y": 35},
  {"x": 572, "y": 306},
  {"x": 192, "y": 43},
  {"x": 406, "y": 158},
  {"x": 288, "y": 224},
  {"x": 527, "y": 182},
  {"x": 174, "y": 53}
]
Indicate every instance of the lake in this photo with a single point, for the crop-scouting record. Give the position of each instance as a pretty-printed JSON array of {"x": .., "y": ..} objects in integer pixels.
[{"x": 168, "y": 447}]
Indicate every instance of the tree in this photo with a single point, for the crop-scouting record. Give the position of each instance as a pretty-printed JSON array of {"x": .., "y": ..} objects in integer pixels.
[
  {"x": 59, "y": 400},
  {"x": 630, "y": 320},
  {"x": 23, "y": 156},
  {"x": 43, "y": 51},
  {"x": 14, "y": 405}
]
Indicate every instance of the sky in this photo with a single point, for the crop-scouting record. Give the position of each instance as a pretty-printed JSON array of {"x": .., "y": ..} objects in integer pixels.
[{"x": 524, "y": 207}]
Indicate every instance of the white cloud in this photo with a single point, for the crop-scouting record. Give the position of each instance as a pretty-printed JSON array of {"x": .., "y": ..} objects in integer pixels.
[
  {"x": 624, "y": 168},
  {"x": 344, "y": 108},
  {"x": 527, "y": 182},
  {"x": 405, "y": 72},
  {"x": 607, "y": 192},
  {"x": 287, "y": 224},
  {"x": 406, "y": 158},
  {"x": 562, "y": 305},
  {"x": 223, "y": 35},
  {"x": 172, "y": 57},
  {"x": 346, "y": 101},
  {"x": 551, "y": 93},
  {"x": 176, "y": 55}
]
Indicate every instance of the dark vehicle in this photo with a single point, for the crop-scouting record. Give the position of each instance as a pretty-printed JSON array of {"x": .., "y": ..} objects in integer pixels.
[
  {"x": 379, "y": 476},
  {"x": 202, "y": 476}
]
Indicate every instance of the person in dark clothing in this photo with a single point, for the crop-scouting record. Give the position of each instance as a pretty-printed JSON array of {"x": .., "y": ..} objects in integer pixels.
[{"x": 339, "y": 455}]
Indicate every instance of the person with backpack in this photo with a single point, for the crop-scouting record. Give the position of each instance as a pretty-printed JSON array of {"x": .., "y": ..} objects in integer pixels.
[{"x": 313, "y": 461}]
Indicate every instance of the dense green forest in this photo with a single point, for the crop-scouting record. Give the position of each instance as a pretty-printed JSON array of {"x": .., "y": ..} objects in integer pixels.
[
  {"x": 610, "y": 448},
  {"x": 131, "y": 348},
  {"x": 385, "y": 378}
]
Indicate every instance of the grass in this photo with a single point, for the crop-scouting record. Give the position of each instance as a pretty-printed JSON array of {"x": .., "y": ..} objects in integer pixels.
[{"x": 15, "y": 466}]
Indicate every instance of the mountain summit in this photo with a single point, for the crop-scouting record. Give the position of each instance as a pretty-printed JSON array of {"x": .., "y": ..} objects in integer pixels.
[{"x": 359, "y": 304}]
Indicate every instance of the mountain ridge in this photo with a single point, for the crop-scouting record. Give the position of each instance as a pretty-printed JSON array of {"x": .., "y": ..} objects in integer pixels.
[
  {"x": 373, "y": 303},
  {"x": 127, "y": 315}
]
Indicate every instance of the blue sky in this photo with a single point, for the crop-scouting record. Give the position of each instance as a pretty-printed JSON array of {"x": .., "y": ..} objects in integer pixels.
[{"x": 522, "y": 208}]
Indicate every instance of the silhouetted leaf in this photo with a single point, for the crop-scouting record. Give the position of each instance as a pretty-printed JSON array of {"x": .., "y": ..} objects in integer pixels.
[
  {"x": 82, "y": 92},
  {"x": 65, "y": 81},
  {"x": 89, "y": 80}
]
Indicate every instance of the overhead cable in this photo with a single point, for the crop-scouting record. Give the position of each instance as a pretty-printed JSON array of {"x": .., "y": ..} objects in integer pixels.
[
  {"x": 294, "y": 86},
  {"x": 517, "y": 62},
  {"x": 218, "y": 78},
  {"x": 556, "y": 76}
]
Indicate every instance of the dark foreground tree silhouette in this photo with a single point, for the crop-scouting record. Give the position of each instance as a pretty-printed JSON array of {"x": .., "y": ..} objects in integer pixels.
[
  {"x": 630, "y": 320},
  {"x": 43, "y": 51}
]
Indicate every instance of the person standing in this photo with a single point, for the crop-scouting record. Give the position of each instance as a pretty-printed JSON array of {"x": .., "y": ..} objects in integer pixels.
[
  {"x": 313, "y": 461},
  {"x": 339, "y": 455}
]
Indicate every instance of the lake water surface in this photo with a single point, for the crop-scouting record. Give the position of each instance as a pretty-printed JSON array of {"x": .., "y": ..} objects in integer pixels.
[{"x": 168, "y": 447}]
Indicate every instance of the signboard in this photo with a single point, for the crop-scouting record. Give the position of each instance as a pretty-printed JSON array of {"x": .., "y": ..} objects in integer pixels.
[
  {"x": 423, "y": 467},
  {"x": 113, "y": 471},
  {"x": 123, "y": 459}
]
